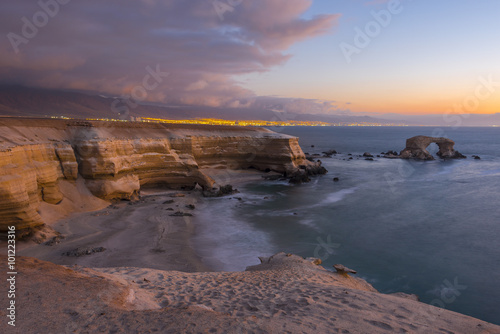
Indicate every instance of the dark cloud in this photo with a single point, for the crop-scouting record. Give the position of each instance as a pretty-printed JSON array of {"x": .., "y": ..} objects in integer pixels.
[{"x": 107, "y": 46}]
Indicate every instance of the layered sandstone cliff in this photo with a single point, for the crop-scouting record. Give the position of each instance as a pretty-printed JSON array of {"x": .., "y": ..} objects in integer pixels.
[{"x": 116, "y": 160}]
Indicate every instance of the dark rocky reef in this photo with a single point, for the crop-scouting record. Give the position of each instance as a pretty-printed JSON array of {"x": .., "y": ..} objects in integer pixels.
[
  {"x": 302, "y": 174},
  {"x": 220, "y": 191}
]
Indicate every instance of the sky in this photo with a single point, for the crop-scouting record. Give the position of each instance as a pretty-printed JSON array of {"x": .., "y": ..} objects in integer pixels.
[{"x": 370, "y": 57}]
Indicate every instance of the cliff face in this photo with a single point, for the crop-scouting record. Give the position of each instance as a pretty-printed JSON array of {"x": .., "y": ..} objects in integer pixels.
[
  {"x": 117, "y": 168},
  {"x": 29, "y": 174},
  {"x": 117, "y": 159}
]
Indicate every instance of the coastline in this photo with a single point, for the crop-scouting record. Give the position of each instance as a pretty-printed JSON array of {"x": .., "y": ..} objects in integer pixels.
[
  {"x": 284, "y": 294},
  {"x": 124, "y": 289},
  {"x": 137, "y": 233},
  {"x": 142, "y": 258},
  {"x": 210, "y": 236}
]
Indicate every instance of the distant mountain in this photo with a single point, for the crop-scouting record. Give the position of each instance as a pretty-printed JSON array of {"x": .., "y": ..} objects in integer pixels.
[{"x": 37, "y": 102}]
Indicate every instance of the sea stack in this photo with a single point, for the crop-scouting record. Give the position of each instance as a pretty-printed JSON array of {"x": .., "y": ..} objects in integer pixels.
[{"x": 416, "y": 148}]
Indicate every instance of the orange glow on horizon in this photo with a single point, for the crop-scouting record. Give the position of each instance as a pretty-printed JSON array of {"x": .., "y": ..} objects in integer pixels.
[{"x": 471, "y": 106}]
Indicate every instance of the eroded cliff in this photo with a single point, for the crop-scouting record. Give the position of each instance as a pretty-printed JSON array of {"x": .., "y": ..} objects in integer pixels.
[
  {"x": 115, "y": 160},
  {"x": 416, "y": 148}
]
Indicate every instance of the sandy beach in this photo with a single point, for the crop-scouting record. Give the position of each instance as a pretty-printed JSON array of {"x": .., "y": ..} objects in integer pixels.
[
  {"x": 150, "y": 279},
  {"x": 142, "y": 233}
]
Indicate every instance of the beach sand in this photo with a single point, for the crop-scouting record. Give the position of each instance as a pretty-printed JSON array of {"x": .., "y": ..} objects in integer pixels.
[
  {"x": 150, "y": 279},
  {"x": 286, "y": 295},
  {"x": 139, "y": 233}
]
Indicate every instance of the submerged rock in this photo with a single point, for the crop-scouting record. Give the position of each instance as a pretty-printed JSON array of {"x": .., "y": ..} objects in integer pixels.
[
  {"x": 299, "y": 177},
  {"x": 221, "y": 191},
  {"x": 181, "y": 214},
  {"x": 390, "y": 153},
  {"x": 272, "y": 177},
  {"x": 452, "y": 155},
  {"x": 302, "y": 174},
  {"x": 329, "y": 153}
]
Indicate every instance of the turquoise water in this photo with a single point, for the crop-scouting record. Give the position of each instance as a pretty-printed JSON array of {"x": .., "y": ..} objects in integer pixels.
[{"x": 430, "y": 228}]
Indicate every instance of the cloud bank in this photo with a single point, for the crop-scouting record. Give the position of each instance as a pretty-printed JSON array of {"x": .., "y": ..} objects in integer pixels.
[{"x": 115, "y": 46}]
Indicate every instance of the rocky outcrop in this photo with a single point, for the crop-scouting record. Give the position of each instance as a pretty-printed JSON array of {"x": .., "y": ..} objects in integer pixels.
[
  {"x": 390, "y": 155},
  {"x": 29, "y": 174},
  {"x": 416, "y": 148},
  {"x": 116, "y": 160},
  {"x": 118, "y": 168},
  {"x": 220, "y": 191}
]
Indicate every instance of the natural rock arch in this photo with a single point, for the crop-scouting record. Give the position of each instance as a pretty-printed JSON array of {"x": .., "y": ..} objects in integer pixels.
[{"x": 416, "y": 148}]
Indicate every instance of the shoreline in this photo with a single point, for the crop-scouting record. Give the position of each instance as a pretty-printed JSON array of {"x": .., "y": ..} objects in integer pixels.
[
  {"x": 146, "y": 253},
  {"x": 137, "y": 234},
  {"x": 123, "y": 288},
  {"x": 209, "y": 244},
  {"x": 284, "y": 294}
]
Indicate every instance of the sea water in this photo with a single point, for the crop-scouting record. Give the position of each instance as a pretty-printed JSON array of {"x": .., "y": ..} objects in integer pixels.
[{"x": 430, "y": 228}]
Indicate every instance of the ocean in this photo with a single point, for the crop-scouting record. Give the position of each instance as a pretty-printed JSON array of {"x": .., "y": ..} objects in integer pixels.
[{"x": 430, "y": 228}]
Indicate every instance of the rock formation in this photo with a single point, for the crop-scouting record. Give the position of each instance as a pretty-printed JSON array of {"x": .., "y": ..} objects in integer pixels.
[
  {"x": 116, "y": 160},
  {"x": 343, "y": 270},
  {"x": 416, "y": 148}
]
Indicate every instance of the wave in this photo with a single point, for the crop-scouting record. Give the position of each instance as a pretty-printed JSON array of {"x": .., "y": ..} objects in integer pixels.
[
  {"x": 337, "y": 196},
  {"x": 225, "y": 241},
  {"x": 490, "y": 172}
]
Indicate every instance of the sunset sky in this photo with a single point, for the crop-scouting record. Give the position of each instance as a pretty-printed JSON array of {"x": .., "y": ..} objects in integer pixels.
[{"x": 322, "y": 56}]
